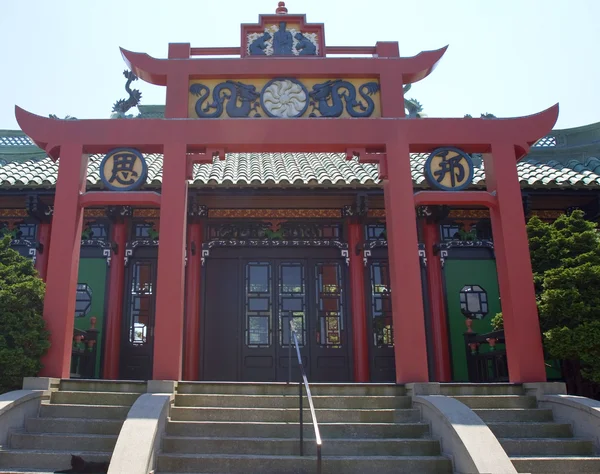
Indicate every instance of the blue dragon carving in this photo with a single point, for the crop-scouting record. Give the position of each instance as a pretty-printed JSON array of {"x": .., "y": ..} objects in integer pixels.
[
  {"x": 336, "y": 90},
  {"x": 234, "y": 91},
  {"x": 121, "y": 106}
]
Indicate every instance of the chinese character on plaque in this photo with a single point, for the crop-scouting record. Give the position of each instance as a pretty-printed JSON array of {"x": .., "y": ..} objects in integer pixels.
[
  {"x": 449, "y": 169},
  {"x": 123, "y": 169}
]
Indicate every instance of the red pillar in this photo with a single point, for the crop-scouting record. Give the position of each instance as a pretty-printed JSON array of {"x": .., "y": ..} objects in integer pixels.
[
  {"x": 170, "y": 285},
  {"x": 43, "y": 237},
  {"x": 521, "y": 324},
  {"x": 63, "y": 261},
  {"x": 191, "y": 360},
  {"x": 114, "y": 312},
  {"x": 439, "y": 325},
  {"x": 357, "y": 302},
  {"x": 410, "y": 346}
]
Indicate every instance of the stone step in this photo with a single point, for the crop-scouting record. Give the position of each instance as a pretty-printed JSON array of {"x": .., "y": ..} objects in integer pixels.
[
  {"x": 43, "y": 459},
  {"x": 94, "y": 398},
  {"x": 291, "y": 401},
  {"x": 73, "y": 425},
  {"x": 514, "y": 414},
  {"x": 257, "y": 388},
  {"x": 556, "y": 464},
  {"x": 84, "y": 411},
  {"x": 531, "y": 430},
  {"x": 92, "y": 385},
  {"x": 497, "y": 401},
  {"x": 291, "y": 415},
  {"x": 455, "y": 389},
  {"x": 291, "y": 446},
  {"x": 291, "y": 430},
  {"x": 547, "y": 447},
  {"x": 248, "y": 464},
  {"x": 56, "y": 441}
]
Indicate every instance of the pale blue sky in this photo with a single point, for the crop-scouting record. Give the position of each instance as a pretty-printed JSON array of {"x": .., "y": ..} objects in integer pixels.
[{"x": 507, "y": 57}]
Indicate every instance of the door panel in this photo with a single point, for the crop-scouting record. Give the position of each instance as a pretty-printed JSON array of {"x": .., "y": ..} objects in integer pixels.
[
  {"x": 90, "y": 299},
  {"x": 459, "y": 273},
  {"x": 221, "y": 321},
  {"x": 272, "y": 292},
  {"x": 258, "y": 358},
  {"x": 380, "y": 326},
  {"x": 330, "y": 352},
  {"x": 137, "y": 337}
]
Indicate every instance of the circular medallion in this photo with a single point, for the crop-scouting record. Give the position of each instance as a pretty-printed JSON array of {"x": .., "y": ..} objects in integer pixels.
[
  {"x": 284, "y": 98},
  {"x": 123, "y": 169},
  {"x": 449, "y": 169}
]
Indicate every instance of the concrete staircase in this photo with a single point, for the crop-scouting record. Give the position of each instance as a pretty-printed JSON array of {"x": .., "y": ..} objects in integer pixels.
[
  {"x": 82, "y": 418},
  {"x": 532, "y": 439},
  {"x": 253, "y": 428}
]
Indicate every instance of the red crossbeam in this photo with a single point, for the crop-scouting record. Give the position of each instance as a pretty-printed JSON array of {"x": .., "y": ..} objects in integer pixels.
[{"x": 119, "y": 198}]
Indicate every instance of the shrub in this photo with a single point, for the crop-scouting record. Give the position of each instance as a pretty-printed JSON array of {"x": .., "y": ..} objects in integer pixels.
[{"x": 23, "y": 335}]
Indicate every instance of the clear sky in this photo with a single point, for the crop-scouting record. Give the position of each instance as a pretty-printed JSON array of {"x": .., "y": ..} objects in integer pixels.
[{"x": 506, "y": 57}]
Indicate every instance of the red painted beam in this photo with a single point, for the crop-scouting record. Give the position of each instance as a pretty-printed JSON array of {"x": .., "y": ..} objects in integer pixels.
[
  {"x": 458, "y": 198},
  {"x": 117, "y": 198},
  {"x": 217, "y": 51},
  {"x": 235, "y": 51},
  {"x": 407, "y": 70},
  {"x": 281, "y": 135}
]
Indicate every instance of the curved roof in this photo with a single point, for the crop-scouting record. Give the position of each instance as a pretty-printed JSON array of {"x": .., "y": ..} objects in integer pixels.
[{"x": 302, "y": 170}]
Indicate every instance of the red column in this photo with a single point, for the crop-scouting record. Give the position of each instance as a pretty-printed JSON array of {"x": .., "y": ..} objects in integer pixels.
[
  {"x": 114, "y": 312},
  {"x": 521, "y": 324},
  {"x": 357, "y": 302},
  {"x": 410, "y": 346},
  {"x": 439, "y": 325},
  {"x": 191, "y": 360},
  {"x": 43, "y": 237},
  {"x": 170, "y": 285},
  {"x": 63, "y": 261}
]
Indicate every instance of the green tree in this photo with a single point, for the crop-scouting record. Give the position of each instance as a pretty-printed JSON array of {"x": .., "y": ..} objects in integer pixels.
[
  {"x": 23, "y": 336},
  {"x": 565, "y": 257}
]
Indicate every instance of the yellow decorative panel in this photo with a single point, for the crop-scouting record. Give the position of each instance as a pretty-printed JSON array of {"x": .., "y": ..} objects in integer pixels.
[{"x": 284, "y": 98}]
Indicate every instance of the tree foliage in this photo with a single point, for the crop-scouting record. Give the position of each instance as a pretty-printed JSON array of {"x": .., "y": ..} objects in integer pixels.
[
  {"x": 565, "y": 256},
  {"x": 23, "y": 336}
]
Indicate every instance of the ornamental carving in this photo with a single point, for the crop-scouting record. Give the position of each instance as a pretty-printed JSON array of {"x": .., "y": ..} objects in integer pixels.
[{"x": 284, "y": 97}]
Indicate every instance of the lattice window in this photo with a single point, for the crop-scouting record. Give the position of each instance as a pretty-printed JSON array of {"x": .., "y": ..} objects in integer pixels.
[
  {"x": 259, "y": 304},
  {"x": 145, "y": 231},
  {"x": 330, "y": 305},
  {"x": 473, "y": 302},
  {"x": 95, "y": 231},
  {"x": 141, "y": 303},
  {"x": 381, "y": 305},
  {"x": 547, "y": 141},
  {"x": 83, "y": 300},
  {"x": 292, "y": 302},
  {"x": 375, "y": 232},
  {"x": 15, "y": 141},
  {"x": 449, "y": 231}
]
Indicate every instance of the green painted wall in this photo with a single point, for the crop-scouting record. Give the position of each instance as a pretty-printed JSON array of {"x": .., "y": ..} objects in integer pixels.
[
  {"x": 459, "y": 273},
  {"x": 92, "y": 271}
]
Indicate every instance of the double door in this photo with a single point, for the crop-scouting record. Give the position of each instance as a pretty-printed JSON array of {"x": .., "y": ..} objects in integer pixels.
[{"x": 249, "y": 304}]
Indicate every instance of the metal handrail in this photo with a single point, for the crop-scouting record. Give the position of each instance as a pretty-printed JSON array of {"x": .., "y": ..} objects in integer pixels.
[{"x": 308, "y": 395}]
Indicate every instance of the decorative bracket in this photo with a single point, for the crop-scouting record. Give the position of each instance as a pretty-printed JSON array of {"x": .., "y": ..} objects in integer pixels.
[
  {"x": 202, "y": 158},
  {"x": 368, "y": 156}
]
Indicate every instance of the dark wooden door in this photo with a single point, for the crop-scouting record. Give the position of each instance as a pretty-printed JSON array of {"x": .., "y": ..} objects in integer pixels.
[
  {"x": 252, "y": 300},
  {"x": 328, "y": 309},
  {"x": 379, "y": 324},
  {"x": 137, "y": 336},
  {"x": 221, "y": 329},
  {"x": 275, "y": 293}
]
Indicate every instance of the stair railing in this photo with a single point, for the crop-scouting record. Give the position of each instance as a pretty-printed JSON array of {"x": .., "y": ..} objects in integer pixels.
[{"x": 294, "y": 337}]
